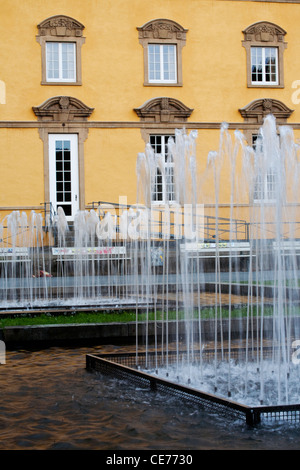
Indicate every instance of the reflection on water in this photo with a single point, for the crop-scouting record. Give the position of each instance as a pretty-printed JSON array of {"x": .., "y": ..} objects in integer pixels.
[{"x": 49, "y": 401}]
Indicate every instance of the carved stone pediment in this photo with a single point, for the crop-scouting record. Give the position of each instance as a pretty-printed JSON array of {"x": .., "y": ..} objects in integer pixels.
[
  {"x": 60, "y": 25},
  {"x": 164, "y": 110},
  {"x": 62, "y": 108},
  {"x": 265, "y": 34},
  {"x": 264, "y": 31},
  {"x": 257, "y": 110},
  {"x": 162, "y": 29}
]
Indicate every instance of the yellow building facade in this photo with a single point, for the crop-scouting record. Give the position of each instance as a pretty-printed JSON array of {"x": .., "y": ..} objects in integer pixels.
[{"x": 86, "y": 85}]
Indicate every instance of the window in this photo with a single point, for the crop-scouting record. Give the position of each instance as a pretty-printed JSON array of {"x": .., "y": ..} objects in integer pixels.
[
  {"x": 264, "y": 65},
  {"x": 265, "y": 187},
  {"x": 162, "y": 63},
  {"x": 61, "y": 61},
  {"x": 61, "y": 39},
  {"x": 266, "y": 173},
  {"x": 164, "y": 187},
  {"x": 265, "y": 183},
  {"x": 265, "y": 47},
  {"x": 162, "y": 41},
  {"x": 160, "y": 116}
]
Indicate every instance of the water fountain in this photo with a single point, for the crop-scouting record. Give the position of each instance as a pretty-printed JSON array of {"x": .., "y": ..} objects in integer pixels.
[
  {"x": 241, "y": 353},
  {"x": 58, "y": 265},
  {"x": 243, "y": 362}
]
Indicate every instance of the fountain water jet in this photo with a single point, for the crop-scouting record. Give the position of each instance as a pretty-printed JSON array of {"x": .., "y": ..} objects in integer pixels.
[
  {"x": 250, "y": 356},
  {"x": 167, "y": 260}
]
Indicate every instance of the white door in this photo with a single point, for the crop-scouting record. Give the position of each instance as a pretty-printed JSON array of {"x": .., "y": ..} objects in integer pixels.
[{"x": 63, "y": 173}]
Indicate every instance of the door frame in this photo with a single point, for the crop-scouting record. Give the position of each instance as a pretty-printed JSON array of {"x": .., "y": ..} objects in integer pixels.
[
  {"x": 59, "y": 115},
  {"x": 75, "y": 190},
  {"x": 82, "y": 133}
]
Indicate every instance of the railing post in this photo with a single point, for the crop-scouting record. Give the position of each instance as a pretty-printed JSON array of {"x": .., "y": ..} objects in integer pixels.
[
  {"x": 252, "y": 417},
  {"x": 247, "y": 231}
]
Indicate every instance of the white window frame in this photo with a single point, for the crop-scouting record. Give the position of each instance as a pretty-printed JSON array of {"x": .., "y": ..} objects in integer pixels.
[
  {"x": 168, "y": 188},
  {"x": 264, "y": 66},
  {"x": 60, "y": 79},
  {"x": 162, "y": 63}
]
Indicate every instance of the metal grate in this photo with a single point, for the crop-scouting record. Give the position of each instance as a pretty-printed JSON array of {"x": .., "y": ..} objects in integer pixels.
[{"x": 126, "y": 366}]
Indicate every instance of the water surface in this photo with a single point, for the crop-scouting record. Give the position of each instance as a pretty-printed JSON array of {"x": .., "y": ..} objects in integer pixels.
[{"x": 50, "y": 401}]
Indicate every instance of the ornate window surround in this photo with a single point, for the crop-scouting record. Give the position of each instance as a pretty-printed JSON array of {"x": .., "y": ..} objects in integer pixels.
[
  {"x": 265, "y": 34},
  {"x": 162, "y": 115},
  {"x": 255, "y": 112},
  {"x": 61, "y": 28},
  {"x": 163, "y": 110},
  {"x": 65, "y": 115},
  {"x": 162, "y": 31}
]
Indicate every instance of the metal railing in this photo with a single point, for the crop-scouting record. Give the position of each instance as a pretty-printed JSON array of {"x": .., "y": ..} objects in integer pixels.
[
  {"x": 210, "y": 227},
  {"x": 49, "y": 215}
]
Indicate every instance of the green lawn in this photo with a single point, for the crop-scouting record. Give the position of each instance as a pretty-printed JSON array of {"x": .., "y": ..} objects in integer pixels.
[
  {"x": 91, "y": 317},
  {"x": 119, "y": 317}
]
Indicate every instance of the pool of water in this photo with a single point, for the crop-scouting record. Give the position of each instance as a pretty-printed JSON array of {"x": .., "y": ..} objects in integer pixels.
[{"x": 50, "y": 401}]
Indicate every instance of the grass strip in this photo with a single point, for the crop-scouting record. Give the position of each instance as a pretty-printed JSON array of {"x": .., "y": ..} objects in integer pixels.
[{"x": 27, "y": 319}]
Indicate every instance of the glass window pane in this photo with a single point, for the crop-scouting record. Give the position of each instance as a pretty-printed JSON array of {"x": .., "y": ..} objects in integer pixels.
[
  {"x": 67, "y": 145},
  {"x": 164, "y": 186},
  {"x": 256, "y": 63},
  {"x": 67, "y": 176},
  {"x": 154, "y": 61},
  {"x": 162, "y": 62},
  {"x": 67, "y": 209},
  {"x": 52, "y": 60},
  {"x": 63, "y": 170},
  {"x": 270, "y": 63},
  {"x": 68, "y": 60},
  {"x": 61, "y": 61},
  {"x": 264, "y": 65},
  {"x": 158, "y": 189},
  {"x": 67, "y": 155},
  {"x": 169, "y": 60},
  {"x": 265, "y": 183}
]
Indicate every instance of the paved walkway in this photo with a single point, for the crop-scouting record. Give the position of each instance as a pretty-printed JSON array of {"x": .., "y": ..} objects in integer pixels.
[{"x": 114, "y": 291}]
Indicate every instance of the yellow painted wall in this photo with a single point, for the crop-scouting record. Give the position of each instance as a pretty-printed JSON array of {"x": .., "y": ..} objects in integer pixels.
[
  {"x": 214, "y": 72},
  {"x": 214, "y": 84},
  {"x": 22, "y": 173},
  {"x": 110, "y": 164}
]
